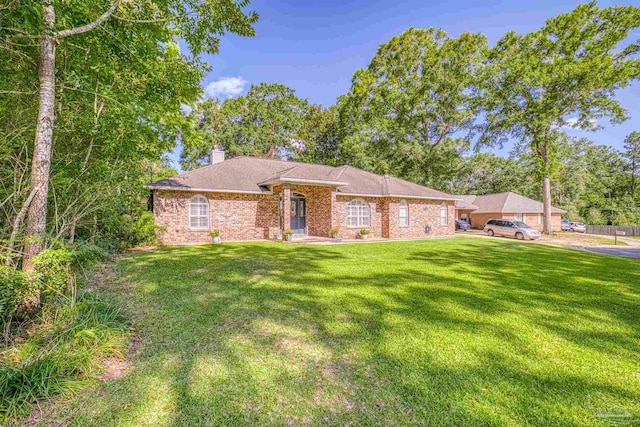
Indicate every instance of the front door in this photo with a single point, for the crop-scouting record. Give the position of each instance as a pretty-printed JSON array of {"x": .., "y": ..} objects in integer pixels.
[{"x": 298, "y": 214}]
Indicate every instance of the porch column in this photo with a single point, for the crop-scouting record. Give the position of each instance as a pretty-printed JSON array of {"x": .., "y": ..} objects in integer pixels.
[{"x": 286, "y": 208}]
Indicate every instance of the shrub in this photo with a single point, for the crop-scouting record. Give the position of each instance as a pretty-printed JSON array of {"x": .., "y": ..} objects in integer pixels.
[
  {"x": 215, "y": 233},
  {"x": 13, "y": 286},
  {"x": 143, "y": 229},
  {"x": 364, "y": 231},
  {"x": 86, "y": 254},
  {"x": 53, "y": 267},
  {"x": 124, "y": 230}
]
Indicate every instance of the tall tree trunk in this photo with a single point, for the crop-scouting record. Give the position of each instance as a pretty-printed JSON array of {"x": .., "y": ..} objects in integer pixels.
[
  {"x": 633, "y": 178},
  {"x": 37, "y": 216},
  {"x": 546, "y": 192}
]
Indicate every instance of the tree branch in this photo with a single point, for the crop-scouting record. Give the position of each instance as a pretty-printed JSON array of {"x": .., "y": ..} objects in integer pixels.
[
  {"x": 16, "y": 224},
  {"x": 16, "y": 92},
  {"x": 91, "y": 26},
  {"x": 153, "y": 21}
]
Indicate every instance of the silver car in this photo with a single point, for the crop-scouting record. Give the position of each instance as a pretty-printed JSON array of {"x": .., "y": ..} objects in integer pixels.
[
  {"x": 510, "y": 228},
  {"x": 577, "y": 227}
]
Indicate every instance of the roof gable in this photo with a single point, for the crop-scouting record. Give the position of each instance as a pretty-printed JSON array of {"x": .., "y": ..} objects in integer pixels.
[{"x": 508, "y": 202}]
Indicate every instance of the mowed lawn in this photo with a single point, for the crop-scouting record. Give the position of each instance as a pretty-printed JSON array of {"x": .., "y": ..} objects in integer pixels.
[{"x": 452, "y": 332}]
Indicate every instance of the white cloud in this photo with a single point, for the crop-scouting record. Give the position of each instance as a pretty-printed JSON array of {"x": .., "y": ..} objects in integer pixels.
[
  {"x": 225, "y": 87},
  {"x": 572, "y": 122}
]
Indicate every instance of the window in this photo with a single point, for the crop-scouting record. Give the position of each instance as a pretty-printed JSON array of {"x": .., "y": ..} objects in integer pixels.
[
  {"x": 198, "y": 213},
  {"x": 444, "y": 214},
  {"x": 539, "y": 218},
  {"x": 358, "y": 213},
  {"x": 519, "y": 217},
  {"x": 403, "y": 213}
]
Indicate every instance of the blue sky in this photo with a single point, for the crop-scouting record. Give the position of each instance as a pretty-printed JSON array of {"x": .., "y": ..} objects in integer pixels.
[{"x": 315, "y": 47}]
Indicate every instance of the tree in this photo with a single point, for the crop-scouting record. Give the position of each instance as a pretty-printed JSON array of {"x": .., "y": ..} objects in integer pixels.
[
  {"x": 264, "y": 123},
  {"x": 199, "y": 23},
  {"x": 413, "y": 110},
  {"x": 487, "y": 173},
  {"x": 564, "y": 75},
  {"x": 632, "y": 153},
  {"x": 319, "y": 136}
]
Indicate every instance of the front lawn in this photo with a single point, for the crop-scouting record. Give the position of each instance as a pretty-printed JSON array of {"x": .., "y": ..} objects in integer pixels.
[{"x": 462, "y": 332}]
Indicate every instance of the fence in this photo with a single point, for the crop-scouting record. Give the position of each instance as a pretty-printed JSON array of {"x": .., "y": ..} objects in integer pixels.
[{"x": 610, "y": 230}]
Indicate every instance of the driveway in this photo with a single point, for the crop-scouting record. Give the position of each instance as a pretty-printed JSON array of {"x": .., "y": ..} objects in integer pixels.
[{"x": 626, "y": 251}]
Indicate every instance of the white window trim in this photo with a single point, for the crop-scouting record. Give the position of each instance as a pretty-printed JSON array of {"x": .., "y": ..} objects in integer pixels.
[
  {"x": 198, "y": 196},
  {"x": 444, "y": 220},
  {"x": 403, "y": 206},
  {"x": 359, "y": 217}
]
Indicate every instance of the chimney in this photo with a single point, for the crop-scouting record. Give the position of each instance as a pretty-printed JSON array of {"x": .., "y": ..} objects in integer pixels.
[{"x": 217, "y": 155}]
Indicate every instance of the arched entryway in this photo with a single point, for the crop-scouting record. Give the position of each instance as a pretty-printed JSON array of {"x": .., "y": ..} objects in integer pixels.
[{"x": 298, "y": 213}]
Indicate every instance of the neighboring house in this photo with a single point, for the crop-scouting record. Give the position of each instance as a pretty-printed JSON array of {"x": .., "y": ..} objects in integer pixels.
[
  {"x": 249, "y": 198},
  {"x": 477, "y": 210}
]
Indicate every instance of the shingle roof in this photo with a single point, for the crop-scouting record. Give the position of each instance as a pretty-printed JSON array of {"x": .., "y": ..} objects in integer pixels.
[
  {"x": 466, "y": 202},
  {"x": 254, "y": 175},
  {"x": 507, "y": 202}
]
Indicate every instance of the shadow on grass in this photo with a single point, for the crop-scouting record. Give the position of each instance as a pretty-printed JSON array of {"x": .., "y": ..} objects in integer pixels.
[{"x": 449, "y": 332}]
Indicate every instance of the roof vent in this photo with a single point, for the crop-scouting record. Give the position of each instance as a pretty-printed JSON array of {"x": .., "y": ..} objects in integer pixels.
[{"x": 217, "y": 155}]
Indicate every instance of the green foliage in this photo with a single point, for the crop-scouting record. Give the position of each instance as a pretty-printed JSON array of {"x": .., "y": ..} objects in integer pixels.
[
  {"x": 87, "y": 254},
  {"x": 563, "y": 75},
  {"x": 62, "y": 357},
  {"x": 128, "y": 230},
  {"x": 266, "y": 122},
  {"x": 143, "y": 230},
  {"x": 53, "y": 267},
  {"x": 413, "y": 110},
  {"x": 215, "y": 233},
  {"x": 632, "y": 154},
  {"x": 13, "y": 287},
  {"x": 119, "y": 92}
]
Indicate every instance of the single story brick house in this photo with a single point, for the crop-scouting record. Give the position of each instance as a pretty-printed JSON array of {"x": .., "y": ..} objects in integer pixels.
[
  {"x": 249, "y": 198},
  {"x": 477, "y": 210}
]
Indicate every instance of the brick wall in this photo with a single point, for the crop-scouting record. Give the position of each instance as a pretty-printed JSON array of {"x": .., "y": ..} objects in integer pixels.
[
  {"x": 385, "y": 218},
  {"x": 422, "y": 214},
  {"x": 237, "y": 216},
  {"x": 256, "y": 216},
  {"x": 340, "y": 217}
]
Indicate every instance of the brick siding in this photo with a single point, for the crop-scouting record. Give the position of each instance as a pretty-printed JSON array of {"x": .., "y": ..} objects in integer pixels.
[
  {"x": 237, "y": 216},
  {"x": 424, "y": 219},
  {"x": 256, "y": 216}
]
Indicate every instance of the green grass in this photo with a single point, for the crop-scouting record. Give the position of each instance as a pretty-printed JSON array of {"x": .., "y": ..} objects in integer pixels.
[
  {"x": 61, "y": 355},
  {"x": 456, "y": 332}
]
